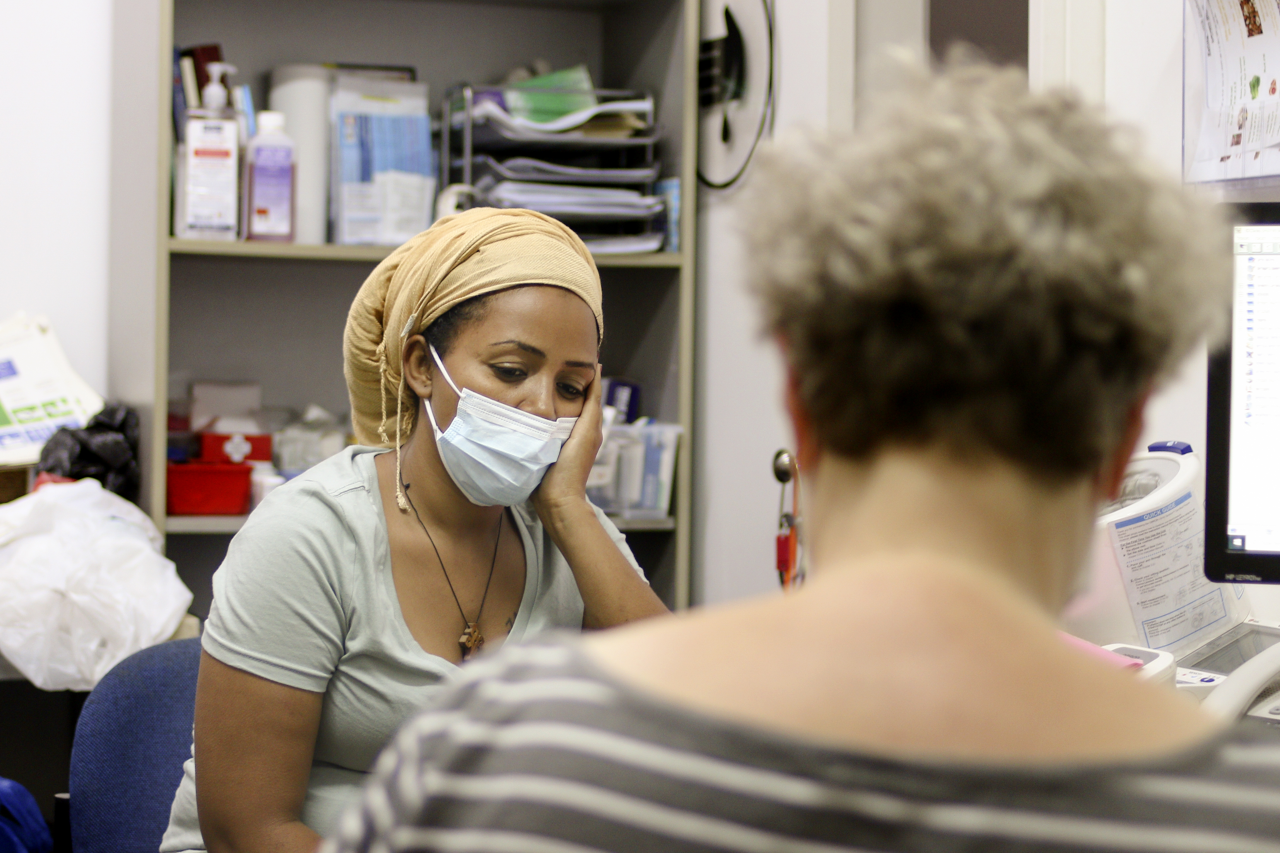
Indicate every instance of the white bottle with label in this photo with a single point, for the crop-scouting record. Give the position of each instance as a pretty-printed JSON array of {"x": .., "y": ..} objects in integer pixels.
[
  {"x": 270, "y": 171},
  {"x": 209, "y": 190}
]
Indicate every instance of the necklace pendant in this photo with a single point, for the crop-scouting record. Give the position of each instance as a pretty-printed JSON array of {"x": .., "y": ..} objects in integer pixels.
[{"x": 471, "y": 640}]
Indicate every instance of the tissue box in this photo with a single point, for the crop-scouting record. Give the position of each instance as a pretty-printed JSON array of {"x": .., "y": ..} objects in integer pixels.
[{"x": 209, "y": 488}]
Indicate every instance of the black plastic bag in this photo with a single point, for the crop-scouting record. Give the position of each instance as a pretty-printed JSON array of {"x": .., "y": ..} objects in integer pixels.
[{"x": 106, "y": 450}]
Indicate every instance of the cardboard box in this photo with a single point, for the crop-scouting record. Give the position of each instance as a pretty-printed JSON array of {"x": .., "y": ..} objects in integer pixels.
[{"x": 213, "y": 400}]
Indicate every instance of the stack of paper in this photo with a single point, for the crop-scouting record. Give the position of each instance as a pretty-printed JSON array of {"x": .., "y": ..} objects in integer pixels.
[
  {"x": 621, "y": 120},
  {"x": 532, "y": 169},
  {"x": 565, "y": 201},
  {"x": 625, "y": 245}
]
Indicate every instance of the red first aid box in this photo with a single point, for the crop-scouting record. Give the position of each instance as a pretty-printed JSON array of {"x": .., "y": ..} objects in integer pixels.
[
  {"x": 235, "y": 447},
  {"x": 209, "y": 488}
]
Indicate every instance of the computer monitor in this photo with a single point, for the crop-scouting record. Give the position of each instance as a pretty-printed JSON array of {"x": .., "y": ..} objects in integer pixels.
[{"x": 1242, "y": 460}]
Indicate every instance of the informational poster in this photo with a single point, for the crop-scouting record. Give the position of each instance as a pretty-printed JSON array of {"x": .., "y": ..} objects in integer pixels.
[
  {"x": 39, "y": 392},
  {"x": 1231, "y": 94},
  {"x": 1161, "y": 557}
]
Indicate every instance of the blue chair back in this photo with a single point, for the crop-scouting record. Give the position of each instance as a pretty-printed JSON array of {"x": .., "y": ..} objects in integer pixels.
[{"x": 132, "y": 738}]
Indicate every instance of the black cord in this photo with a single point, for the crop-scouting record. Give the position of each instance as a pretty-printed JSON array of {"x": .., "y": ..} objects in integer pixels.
[
  {"x": 766, "y": 116},
  {"x": 431, "y": 539}
]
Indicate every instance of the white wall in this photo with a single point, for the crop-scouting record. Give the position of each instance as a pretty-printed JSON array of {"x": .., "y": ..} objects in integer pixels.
[
  {"x": 739, "y": 415},
  {"x": 1067, "y": 45},
  {"x": 883, "y": 25},
  {"x": 1143, "y": 62},
  {"x": 55, "y": 64},
  {"x": 1128, "y": 55},
  {"x": 1134, "y": 48}
]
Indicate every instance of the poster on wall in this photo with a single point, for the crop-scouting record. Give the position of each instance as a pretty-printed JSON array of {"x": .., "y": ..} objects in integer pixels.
[
  {"x": 39, "y": 391},
  {"x": 1231, "y": 93}
]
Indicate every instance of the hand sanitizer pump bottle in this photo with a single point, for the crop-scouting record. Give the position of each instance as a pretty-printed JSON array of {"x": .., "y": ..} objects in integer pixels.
[
  {"x": 269, "y": 181},
  {"x": 210, "y": 185}
]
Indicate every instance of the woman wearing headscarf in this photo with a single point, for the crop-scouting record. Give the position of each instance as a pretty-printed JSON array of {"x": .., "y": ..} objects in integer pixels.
[{"x": 459, "y": 521}]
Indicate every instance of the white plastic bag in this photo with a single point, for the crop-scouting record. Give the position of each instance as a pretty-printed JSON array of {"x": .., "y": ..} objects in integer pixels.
[{"x": 82, "y": 584}]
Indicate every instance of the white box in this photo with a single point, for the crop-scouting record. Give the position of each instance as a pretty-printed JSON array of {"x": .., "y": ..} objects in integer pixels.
[
  {"x": 213, "y": 400},
  {"x": 636, "y": 470}
]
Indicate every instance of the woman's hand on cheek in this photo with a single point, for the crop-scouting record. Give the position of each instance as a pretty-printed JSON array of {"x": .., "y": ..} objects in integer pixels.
[
  {"x": 612, "y": 592},
  {"x": 565, "y": 482}
]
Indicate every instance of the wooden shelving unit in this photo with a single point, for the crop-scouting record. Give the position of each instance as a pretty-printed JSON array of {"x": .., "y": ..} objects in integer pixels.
[
  {"x": 203, "y": 523},
  {"x": 374, "y": 254},
  {"x": 273, "y": 312}
]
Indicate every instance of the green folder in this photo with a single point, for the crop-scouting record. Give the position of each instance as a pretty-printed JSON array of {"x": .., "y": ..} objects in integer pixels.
[{"x": 574, "y": 92}]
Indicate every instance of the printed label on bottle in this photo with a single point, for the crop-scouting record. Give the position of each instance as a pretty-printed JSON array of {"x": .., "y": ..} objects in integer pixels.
[
  {"x": 271, "y": 192},
  {"x": 212, "y": 174}
]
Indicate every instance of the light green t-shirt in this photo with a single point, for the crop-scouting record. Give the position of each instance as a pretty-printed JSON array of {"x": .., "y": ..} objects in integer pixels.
[{"x": 305, "y": 598}]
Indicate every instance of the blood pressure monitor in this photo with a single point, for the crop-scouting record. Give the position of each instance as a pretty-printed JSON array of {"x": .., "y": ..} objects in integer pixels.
[{"x": 1205, "y": 668}]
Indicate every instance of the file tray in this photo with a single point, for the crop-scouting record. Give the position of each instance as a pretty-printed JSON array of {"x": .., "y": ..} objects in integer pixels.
[
  {"x": 568, "y": 202},
  {"x": 619, "y": 114},
  {"x": 494, "y": 138},
  {"x": 568, "y": 140},
  {"x": 478, "y": 115}
]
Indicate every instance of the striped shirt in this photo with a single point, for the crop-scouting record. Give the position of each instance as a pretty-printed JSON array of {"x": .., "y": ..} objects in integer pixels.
[{"x": 536, "y": 750}]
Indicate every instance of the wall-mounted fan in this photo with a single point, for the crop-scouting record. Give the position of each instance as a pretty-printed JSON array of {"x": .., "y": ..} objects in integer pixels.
[{"x": 735, "y": 86}]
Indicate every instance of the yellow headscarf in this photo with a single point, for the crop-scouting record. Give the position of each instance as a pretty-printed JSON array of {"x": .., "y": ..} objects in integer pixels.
[{"x": 483, "y": 250}]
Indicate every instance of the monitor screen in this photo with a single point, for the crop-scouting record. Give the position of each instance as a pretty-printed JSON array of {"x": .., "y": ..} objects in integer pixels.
[{"x": 1242, "y": 464}]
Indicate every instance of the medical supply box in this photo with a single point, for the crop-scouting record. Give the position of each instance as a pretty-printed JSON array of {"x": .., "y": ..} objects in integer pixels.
[
  {"x": 235, "y": 447},
  {"x": 635, "y": 469},
  {"x": 209, "y": 488}
]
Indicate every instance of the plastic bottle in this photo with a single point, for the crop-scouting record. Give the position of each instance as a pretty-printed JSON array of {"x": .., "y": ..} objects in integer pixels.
[
  {"x": 301, "y": 92},
  {"x": 270, "y": 173},
  {"x": 214, "y": 95},
  {"x": 209, "y": 190}
]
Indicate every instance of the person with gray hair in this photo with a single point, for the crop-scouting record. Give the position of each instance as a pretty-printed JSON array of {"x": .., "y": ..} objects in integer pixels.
[{"x": 974, "y": 297}]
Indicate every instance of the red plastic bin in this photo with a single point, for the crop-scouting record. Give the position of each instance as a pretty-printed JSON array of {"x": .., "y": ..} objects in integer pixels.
[{"x": 209, "y": 488}]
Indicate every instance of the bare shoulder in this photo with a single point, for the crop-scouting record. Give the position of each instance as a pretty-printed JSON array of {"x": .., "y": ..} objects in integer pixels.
[{"x": 920, "y": 661}]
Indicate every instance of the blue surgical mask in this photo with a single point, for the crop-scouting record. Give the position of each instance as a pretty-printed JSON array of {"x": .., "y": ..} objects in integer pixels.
[{"x": 495, "y": 453}]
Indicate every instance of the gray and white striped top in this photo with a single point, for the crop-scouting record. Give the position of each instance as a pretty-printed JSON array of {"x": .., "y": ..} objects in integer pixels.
[{"x": 538, "y": 751}]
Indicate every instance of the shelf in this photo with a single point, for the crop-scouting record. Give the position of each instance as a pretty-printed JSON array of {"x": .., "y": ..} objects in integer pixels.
[
  {"x": 280, "y": 251},
  {"x": 672, "y": 260},
  {"x": 373, "y": 254},
  {"x": 203, "y": 523},
  {"x": 231, "y": 524},
  {"x": 639, "y": 525}
]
